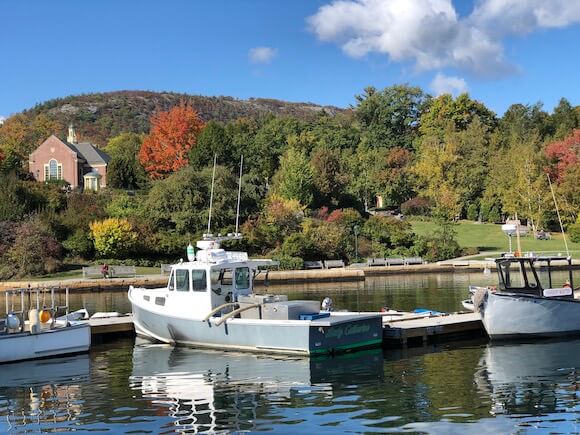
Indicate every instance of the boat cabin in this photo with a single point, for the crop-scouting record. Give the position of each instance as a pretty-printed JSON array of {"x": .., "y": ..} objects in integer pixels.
[
  {"x": 534, "y": 276},
  {"x": 214, "y": 277}
]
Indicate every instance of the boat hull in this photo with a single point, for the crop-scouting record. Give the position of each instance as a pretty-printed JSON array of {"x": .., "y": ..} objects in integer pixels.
[
  {"x": 506, "y": 316},
  {"x": 305, "y": 337},
  {"x": 58, "y": 341}
]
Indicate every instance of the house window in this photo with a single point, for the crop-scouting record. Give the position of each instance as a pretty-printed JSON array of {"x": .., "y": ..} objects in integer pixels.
[{"x": 53, "y": 171}]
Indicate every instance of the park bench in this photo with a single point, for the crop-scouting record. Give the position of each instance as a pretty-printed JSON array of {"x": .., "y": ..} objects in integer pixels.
[
  {"x": 333, "y": 264},
  {"x": 92, "y": 272},
  {"x": 376, "y": 262},
  {"x": 165, "y": 269},
  {"x": 413, "y": 260},
  {"x": 123, "y": 271},
  {"x": 313, "y": 265},
  {"x": 395, "y": 261}
]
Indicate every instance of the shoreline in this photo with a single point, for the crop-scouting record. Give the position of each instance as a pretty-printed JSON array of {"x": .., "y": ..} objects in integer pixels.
[{"x": 281, "y": 277}]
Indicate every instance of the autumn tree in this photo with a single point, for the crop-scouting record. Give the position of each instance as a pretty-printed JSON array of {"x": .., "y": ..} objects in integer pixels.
[
  {"x": 113, "y": 237},
  {"x": 172, "y": 135},
  {"x": 563, "y": 154},
  {"x": 294, "y": 179}
]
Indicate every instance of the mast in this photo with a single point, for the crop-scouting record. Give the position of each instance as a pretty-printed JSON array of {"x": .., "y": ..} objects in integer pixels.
[
  {"x": 211, "y": 194},
  {"x": 239, "y": 195}
]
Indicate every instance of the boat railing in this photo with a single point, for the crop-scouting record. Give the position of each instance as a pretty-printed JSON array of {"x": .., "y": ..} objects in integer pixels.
[{"x": 42, "y": 299}]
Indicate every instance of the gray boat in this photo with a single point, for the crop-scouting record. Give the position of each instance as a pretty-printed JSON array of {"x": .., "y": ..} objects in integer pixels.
[
  {"x": 528, "y": 302},
  {"x": 209, "y": 302}
]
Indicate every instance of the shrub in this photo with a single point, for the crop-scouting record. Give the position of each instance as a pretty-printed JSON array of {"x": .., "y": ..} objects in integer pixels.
[
  {"x": 494, "y": 215},
  {"x": 288, "y": 262},
  {"x": 441, "y": 245},
  {"x": 574, "y": 232},
  {"x": 113, "y": 237},
  {"x": 80, "y": 243},
  {"x": 472, "y": 212},
  {"x": 417, "y": 206},
  {"x": 35, "y": 252}
]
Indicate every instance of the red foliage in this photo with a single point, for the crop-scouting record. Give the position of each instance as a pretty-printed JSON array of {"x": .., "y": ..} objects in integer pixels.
[
  {"x": 335, "y": 216},
  {"x": 562, "y": 154},
  {"x": 172, "y": 135}
]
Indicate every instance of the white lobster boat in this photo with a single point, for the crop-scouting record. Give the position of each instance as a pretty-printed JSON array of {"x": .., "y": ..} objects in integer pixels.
[
  {"x": 32, "y": 330},
  {"x": 208, "y": 302},
  {"x": 527, "y": 303}
]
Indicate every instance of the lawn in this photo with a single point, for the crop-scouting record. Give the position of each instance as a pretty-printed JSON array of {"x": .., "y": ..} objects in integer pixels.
[{"x": 489, "y": 237}]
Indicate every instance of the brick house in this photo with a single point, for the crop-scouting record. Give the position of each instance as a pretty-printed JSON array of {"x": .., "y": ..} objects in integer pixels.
[{"x": 79, "y": 164}]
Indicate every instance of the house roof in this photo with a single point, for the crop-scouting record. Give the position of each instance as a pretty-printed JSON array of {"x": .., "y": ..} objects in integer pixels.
[{"x": 90, "y": 153}]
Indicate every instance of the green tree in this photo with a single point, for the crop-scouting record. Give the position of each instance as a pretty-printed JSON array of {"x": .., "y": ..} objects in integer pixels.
[
  {"x": 564, "y": 119},
  {"x": 124, "y": 170},
  {"x": 213, "y": 140},
  {"x": 330, "y": 175},
  {"x": 294, "y": 179},
  {"x": 390, "y": 118}
]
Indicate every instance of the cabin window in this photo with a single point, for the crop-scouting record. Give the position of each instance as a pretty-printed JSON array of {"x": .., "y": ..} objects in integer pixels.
[
  {"x": 518, "y": 275},
  {"x": 171, "y": 284},
  {"x": 221, "y": 277},
  {"x": 182, "y": 280},
  {"x": 243, "y": 278},
  {"x": 198, "y": 280}
]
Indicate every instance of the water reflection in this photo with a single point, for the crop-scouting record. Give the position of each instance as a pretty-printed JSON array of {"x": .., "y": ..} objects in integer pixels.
[
  {"x": 43, "y": 393},
  {"x": 212, "y": 391}
]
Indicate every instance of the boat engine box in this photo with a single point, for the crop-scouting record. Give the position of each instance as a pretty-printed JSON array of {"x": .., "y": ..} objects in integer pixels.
[
  {"x": 289, "y": 310},
  {"x": 251, "y": 299}
]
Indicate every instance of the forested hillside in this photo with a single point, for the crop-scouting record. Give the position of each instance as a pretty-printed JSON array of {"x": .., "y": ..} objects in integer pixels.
[
  {"x": 312, "y": 176},
  {"x": 100, "y": 116}
]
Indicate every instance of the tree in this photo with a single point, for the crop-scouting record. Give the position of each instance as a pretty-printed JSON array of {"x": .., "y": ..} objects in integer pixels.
[
  {"x": 390, "y": 118},
  {"x": 445, "y": 113},
  {"x": 213, "y": 141},
  {"x": 124, "y": 171},
  {"x": 330, "y": 175},
  {"x": 564, "y": 119},
  {"x": 294, "y": 179},
  {"x": 172, "y": 135},
  {"x": 563, "y": 154},
  {"x": 113, "y": 238}
]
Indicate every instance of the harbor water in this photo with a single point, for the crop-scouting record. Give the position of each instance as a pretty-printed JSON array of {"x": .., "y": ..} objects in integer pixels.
[{"x": 124, "y": 386}]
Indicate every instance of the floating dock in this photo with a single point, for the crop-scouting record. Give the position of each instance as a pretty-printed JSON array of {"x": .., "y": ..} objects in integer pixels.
[{"x": 399, "y": 328}]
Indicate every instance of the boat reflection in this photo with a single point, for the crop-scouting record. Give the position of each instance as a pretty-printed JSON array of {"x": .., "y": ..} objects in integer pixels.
[
  {"x": 531, "y": 378},
  {"x": 213, "y": 391},
  {"x": 42, "y": 392}
]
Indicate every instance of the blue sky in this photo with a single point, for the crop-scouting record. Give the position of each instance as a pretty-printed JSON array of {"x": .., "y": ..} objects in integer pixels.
[{"x": 322, "y": 51}]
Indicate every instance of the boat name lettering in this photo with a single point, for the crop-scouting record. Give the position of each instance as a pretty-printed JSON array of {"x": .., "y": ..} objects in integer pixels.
[{"x": 339, "y": 332}]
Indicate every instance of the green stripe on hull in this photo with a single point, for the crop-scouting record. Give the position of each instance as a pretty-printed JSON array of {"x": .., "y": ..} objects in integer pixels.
[{"x": 367, "y": 343}]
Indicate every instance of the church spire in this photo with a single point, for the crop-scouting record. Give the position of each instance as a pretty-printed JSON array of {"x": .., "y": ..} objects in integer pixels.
[{"x": 72, "y": 136}]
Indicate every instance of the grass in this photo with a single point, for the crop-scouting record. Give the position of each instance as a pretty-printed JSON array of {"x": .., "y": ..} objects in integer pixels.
[{"x": 489, "y": 237}]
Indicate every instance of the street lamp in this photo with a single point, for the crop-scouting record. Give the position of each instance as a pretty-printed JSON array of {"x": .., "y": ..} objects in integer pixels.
[{"x": 356, "y": 229}]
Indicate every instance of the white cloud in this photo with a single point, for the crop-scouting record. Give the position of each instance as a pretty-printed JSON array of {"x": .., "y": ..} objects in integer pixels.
[
  {"x": 443, "y": 84},
  {"x": 262, "y": 54},
  {"x": 2, "y": 119},
  {"x": 431, "y": 35}
]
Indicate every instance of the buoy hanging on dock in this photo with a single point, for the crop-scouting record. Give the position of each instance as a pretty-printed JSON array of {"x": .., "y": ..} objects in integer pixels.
[
  {"x": 12, "y": 321},
  {"x": 190, "y": 252},
  {"x": 45, "y": 316}
]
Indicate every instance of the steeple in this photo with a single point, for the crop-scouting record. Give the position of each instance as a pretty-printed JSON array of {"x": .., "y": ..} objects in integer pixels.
[{"x": 72, "y": 136}]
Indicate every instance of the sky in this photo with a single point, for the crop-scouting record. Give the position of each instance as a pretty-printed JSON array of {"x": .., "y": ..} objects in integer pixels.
[{"x": 322, "y": 51}]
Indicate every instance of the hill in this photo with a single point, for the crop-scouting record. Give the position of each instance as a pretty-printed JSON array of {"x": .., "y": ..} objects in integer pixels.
[{"x": 99, "y": 116}]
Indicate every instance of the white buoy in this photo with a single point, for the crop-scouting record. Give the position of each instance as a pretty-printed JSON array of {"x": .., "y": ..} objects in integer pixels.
[
  {"x": 34, "y": 319},
  {"x": 12, "y": 321}
]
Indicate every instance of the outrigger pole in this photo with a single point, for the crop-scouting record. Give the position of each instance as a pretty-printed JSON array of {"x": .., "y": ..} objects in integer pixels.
[
  {"x": 211, "y": 194},
  {"x": 559, "y": 218},
  {"x": 239, "y": 195}
]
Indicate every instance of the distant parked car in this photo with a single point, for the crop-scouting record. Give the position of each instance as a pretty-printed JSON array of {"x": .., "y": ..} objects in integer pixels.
[{"x": 543, "y": 235}]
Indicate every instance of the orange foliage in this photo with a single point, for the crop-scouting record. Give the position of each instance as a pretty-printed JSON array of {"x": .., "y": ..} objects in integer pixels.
[{"x": 172, "y": 135}]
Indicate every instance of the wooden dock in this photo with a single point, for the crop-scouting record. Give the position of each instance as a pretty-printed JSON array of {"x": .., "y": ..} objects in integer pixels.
[
  {"x": 106, "y": 326},
  {"x": 420, "y": 330}
]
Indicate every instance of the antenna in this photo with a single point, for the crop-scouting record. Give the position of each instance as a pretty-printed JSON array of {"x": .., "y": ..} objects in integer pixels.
[
  {"x": 239, "y": 194},
  {"x": 559, "y": 218},
  {"x": 211, "y": 194}
]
